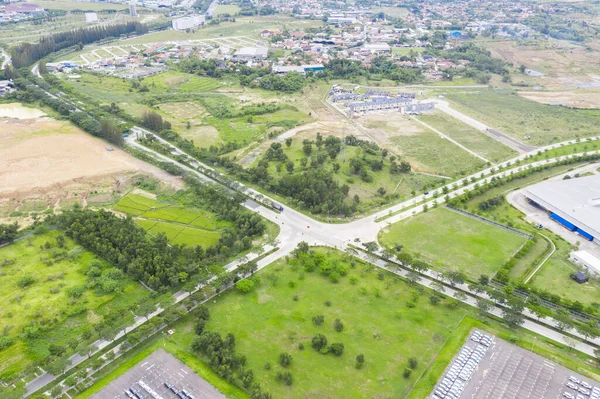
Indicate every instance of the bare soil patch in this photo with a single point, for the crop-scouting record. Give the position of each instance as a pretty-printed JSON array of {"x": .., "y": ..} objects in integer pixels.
[{"x": 575, "y": 99}]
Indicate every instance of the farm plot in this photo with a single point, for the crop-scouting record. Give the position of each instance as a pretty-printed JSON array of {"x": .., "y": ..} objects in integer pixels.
[{"x": 181, "y": 225}]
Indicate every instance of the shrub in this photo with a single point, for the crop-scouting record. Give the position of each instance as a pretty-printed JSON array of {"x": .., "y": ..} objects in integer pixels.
[
  {"x": 406, "y": 373},
  {"x": 244, "y": 286},
  {"x": 25, "y": 281},
  {"x": 285, "y": 359},
  {"x": 337, "y": 348},
  {"x": 319, "y": 341},
  {"x": 360, "y": 361},
  {"x": 338, "y": 325},
  {"x": 413, "y": 363},
  {"x": 318, "y": 320}
]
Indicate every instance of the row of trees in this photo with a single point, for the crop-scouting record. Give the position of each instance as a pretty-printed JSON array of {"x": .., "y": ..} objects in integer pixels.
[{"x": 25, "y": 53}]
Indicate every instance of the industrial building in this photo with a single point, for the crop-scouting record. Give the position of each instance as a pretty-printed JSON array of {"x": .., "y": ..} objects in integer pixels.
[
  {"x": 189, "y": 22},
  {"x": 573, "y": 203},
  {"x": 251, "y": 53},
  {"x": 586, "y": 260}
]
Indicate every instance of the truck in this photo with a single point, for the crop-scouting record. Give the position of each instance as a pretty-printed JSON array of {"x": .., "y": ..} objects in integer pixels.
[{"x": 277, "y": 206}]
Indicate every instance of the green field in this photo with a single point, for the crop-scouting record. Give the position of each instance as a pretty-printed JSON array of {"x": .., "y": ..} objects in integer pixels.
[
  {"x": 471, "y": 138},
  {"x": 230, "y": 9},
  {"x": 72, "y": 5},
  {"x": 46, "y": 308},
  {"x": 377, "y": 322},
  {"x": 521, "y": 118},
  {"x": 182, "y": 225},
  {"x": 454, "y": 241}
]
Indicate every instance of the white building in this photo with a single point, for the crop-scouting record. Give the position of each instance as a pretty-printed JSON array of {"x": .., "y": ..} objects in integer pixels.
[
  {"x": 377, "y": 47},
  {"x": 586, "y": 260},
  {"x": 252, "y": 53},
  {"x": 91, "y": 17},
  {"x": 189, "y": 22}
]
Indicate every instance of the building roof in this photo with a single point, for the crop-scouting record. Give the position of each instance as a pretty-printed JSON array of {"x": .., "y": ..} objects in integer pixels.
[
  {"x": 252, "y": 52},
  {"x": 588, "y": 260},
  {"x": 576, "y": 200}
]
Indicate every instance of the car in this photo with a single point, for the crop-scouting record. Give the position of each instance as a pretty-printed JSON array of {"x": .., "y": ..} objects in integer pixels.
[
  {"x": 586, "y": 385},
  {"x": 571, "y": 385},
  {"x": 573, "y": 379},
  {"x": 568, "y": 395},
  {"x": 584, "y": 391}
]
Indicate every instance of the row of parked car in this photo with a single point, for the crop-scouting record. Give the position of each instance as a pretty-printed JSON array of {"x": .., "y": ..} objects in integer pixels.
[{"x": 580, "y": 390}]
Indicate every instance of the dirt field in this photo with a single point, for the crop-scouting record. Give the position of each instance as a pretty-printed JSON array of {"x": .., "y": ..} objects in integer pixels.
[
  {"x": 576, "y": 99},
  {"x": 48, "y": 165},
  {"x": 565, "y": 66}
]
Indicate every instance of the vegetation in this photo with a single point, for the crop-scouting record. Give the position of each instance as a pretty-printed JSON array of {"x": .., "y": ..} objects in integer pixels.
[
  {"x": 58, "y": 298},
  {"x": 454, "y": 241}
]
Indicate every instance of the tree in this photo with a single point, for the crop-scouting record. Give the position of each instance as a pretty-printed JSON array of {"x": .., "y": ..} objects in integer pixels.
[
  {"x": 484, "y": 280},
  {"x": 288, "y": 141},
  {"x": 360, "y": 361},
  {"x": 434, "y": 299},
  {"x": 484, "y": 306},
  {"x": 289, "y": 166},
  {"x": 381, "y": 191},
  {"x": 319, "y": 341},
  {"x": 455, "y": 277},
  {"x": 285, "y": 359},
  {"x": 318, "y": 320},
  {"x": 406, "y": 373},
  {"x": 413, "y": 363},
  {"x": 563, "y": 320},
  {"x": 145, "y": 309},
  {"x": 337, "y": 348},
  {"x": 512, "y": 318},
  {"x": 244, "y": 285},
  {"x": 338, "y": 325},
  {"x": 307, "y": 148}
]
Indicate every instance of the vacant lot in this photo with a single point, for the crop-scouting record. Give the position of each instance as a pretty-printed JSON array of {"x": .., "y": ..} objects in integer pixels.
[
  {"x": 38, "y": 153},
  {"x": 425, "y": 150},
  {"x": 466, "y": 135},
  {"x": 383, "y": 318},
  {"x": 181, "y": 225},
  {"x": 528, "y": 121},
  {"x": 454, "y": 241},
  {"x": 45, "y": 299}
]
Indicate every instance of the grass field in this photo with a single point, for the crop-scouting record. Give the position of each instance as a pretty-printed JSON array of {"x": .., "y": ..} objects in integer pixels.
[
  {"x": 471, "y": 138},
  {"x": 425, "y": 150},
  {"x": 377, "y": 322},
  {"x": 72, "y": 5},
  {"x": 181, "y": 225},
  {"x": 230, "y": 9},
  {"x": 267, "y": 321},
  {"x": 45, "y": 306},
  {"x": 454, "y": 241},
  {"x": 531, "y": 122}
]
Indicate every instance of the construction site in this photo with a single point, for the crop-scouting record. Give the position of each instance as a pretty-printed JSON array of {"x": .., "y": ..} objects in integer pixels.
[{"x": 354, "y": 104}]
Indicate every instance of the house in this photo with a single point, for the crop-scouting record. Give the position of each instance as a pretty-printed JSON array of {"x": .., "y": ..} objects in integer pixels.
[
  {"x": 6, "y": 87},
  {"x": 266, "y": 33}
]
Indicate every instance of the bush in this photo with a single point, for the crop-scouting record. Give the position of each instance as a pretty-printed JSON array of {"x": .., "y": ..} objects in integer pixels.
[
  {"x": 244, "y": 286},
  {"x": 337, "y": 348},
  {"x": 338, "y": 325},
  {"x": 267, "y": 366},
  {"x": 360, "y": 361},
  {"x": 406, "y": 373},
  {"x": 318, "y": 320},
  {"x": 413, "y": 363},
  {"x": 285, "y": 359},
  {"x": 319, "y": 341},
  {"x": 5, "y": 342},
  {"x": 286, "y": 377},
  {"x": 301, "y": 346},
  {"x": 25, "y": 281}
]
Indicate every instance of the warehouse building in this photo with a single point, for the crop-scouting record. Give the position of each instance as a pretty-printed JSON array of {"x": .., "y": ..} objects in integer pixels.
[
  {"x": 573, "y": 203},
  {"x": 189, "y": 22},
  {"x": 251, "y": 53}
]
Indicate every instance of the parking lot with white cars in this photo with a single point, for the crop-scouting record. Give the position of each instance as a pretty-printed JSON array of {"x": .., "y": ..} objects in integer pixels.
[{"x": 488, "y": 367}]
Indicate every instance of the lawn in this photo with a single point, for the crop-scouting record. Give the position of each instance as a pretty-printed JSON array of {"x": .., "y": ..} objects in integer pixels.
[
  {"x": 471, "y": 138},
  {"x": 528, "y": 121},
  {"x": 230, "y": 9},
  {"x": 45, "y": 305},
  {"x": 554, "y": 277},
  {"x": 384, "y": 319},
  {"x": 454, "y": 241},
  {"x": 71, "y": 5},
  {"x": 182, "y": 225}
]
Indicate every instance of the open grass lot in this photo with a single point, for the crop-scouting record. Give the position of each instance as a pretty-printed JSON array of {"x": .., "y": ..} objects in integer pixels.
[
  {"x": 521, "y": 118},
  {"x": 72, "y": 5},
  {"x": 230, "y": 9},
  {"x": 275, "y": 311},
  {"x": 45, "y": 308},
  {"x": 377, "y": 322},
  {"x": 181, "y": 225},
  {"x": 469, "y": 137},
  {"x": 180, "y": 82},
  {"x": 243, "y": 26},
  {"x": 554, "y": 277},
  {"x": 425, "y": 150},
  {"x": 454, "y": 241}
]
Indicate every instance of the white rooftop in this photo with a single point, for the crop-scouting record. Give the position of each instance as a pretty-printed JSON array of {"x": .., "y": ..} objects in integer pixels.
[
  {"x": 588, "y": 260},
  {"x": 577, "y": 200}
]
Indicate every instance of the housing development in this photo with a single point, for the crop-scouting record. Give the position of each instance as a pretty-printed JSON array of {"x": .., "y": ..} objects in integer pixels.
[{"x": 308, "y": 199}]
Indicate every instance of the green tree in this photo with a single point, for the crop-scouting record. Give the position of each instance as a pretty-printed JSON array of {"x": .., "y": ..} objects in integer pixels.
[
  {"x": 244, "y": 285},
  {"x": 285, "y": 359},
  {"x": 360, "y": 361},
  {"x": 338, "y": 325},
  {"x": 319, "y": 341}
]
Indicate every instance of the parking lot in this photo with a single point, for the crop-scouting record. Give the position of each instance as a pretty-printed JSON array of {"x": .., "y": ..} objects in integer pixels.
[
  {"x": 149, "y": 376},
  {"x": 505, "y": 371}
]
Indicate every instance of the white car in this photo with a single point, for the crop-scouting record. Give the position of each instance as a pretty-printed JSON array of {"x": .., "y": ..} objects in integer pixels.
[
  {"x": 586, "y": 385},
  {"x": 573, "y": 379},
  {"x": 567, "y": 395}
]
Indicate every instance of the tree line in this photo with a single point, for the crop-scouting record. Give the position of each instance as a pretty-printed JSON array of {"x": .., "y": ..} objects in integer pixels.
[
  {"x": 26, "y": 54},
  {"x": 8, "y": 232}
]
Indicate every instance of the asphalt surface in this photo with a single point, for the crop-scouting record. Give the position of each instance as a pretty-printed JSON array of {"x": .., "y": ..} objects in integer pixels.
[
  {"x": 510, "y": 372},
  {"x": 154, "y": 371}
]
